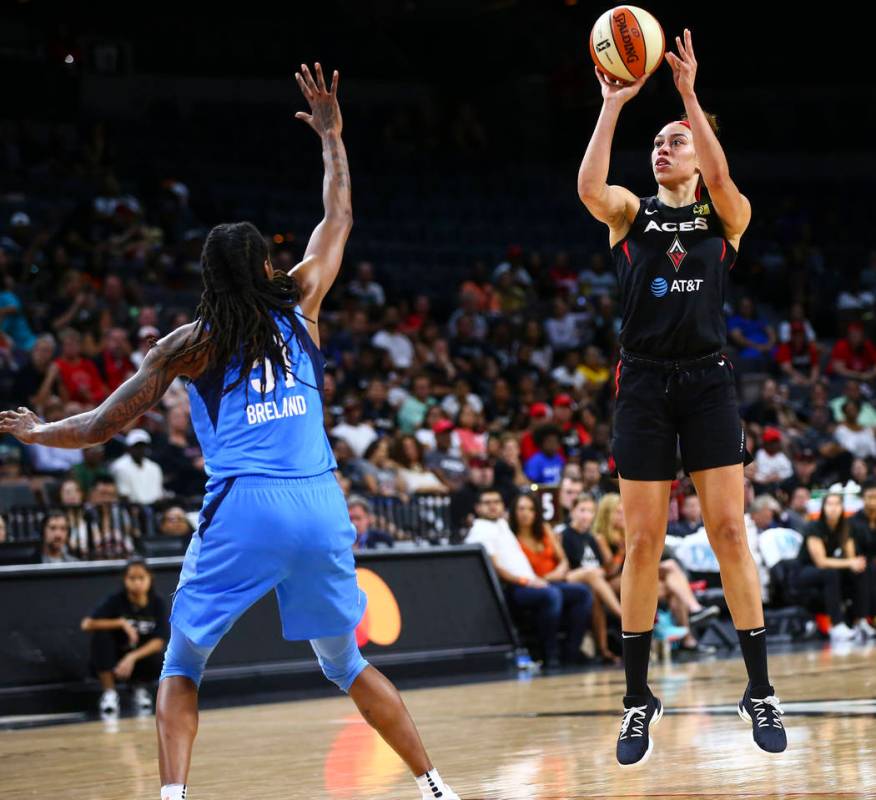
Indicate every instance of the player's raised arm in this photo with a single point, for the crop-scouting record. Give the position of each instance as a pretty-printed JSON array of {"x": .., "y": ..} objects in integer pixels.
[
  {"x": 613, "y": 205},
  {"x": 730, "y": 204},
  {"x": 170, "y": 357},
  {"x": 317, "y": 271}
]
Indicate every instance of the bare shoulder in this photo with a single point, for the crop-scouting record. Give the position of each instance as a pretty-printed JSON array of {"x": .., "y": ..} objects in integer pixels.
[
  {"x": 183, "y": 351},
  {"x": 631, "y": 201}
]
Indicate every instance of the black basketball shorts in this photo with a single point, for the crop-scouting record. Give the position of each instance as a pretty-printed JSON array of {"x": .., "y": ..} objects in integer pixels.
[{"x": 666, "y": 407}]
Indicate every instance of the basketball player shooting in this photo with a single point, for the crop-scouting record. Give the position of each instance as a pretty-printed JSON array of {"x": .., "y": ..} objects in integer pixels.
[
  {"x": 274, "y": 516},
  {"x": 674, "y": 386}
]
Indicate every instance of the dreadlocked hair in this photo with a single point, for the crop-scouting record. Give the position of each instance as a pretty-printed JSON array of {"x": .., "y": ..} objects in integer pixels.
[{"x": 237, "y": 315}]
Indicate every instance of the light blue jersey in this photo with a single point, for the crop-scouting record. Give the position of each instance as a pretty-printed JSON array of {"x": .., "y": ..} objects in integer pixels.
[
  {"x": 280, "y": 433},
  {"x": 274, "y": 516}
]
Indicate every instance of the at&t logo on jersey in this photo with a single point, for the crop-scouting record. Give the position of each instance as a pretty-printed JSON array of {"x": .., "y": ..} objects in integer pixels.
[{"x": 661, "y": 287}]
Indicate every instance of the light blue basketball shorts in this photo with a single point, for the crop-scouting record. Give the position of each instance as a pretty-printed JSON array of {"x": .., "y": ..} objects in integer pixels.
[{"x": 292, "y": 535}]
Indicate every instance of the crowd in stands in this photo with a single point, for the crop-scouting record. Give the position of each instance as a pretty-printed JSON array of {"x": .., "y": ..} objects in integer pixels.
[{"x": 442, "y": 407}]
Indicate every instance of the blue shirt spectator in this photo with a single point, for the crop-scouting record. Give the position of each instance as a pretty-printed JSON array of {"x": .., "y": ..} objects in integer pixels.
[
  {"x": 546, "y": 465},
  {"x": 14, "y": 323},
  {"x": 544, "y": 469},
  {"x": 751, "y": 335}
]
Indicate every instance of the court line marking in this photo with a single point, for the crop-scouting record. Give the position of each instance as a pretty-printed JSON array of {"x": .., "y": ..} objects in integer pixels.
[
  {"x": 760, "y": 795},
  {"x": 845, "y": 708},
  {"x": 30, "y": 718}
]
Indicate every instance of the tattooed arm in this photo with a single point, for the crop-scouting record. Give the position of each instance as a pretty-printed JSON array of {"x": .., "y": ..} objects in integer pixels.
[
  {"x": 164, "y": 362},
  {"x": 317, "y": 271}
]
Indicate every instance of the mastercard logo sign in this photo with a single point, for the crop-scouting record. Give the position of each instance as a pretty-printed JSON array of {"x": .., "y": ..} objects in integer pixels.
[{"x": 381, "y": 623}]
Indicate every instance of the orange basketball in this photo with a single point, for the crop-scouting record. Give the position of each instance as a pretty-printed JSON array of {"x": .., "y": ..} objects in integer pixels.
[{"x": 627, "y": 42}]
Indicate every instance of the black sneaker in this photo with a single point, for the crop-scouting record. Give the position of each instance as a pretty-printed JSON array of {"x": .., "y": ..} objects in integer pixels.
[
  {"x": 765, "y": 716},
  {"x": 634, "y": 745},
  {"x": 698, "y": 649},
  {"x": 696, "y": 617}
]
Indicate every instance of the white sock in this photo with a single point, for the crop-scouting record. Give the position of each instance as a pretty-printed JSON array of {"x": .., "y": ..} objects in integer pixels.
[
  {"x": 173, "y": 791},
  {"x": 431, "y": 785}
]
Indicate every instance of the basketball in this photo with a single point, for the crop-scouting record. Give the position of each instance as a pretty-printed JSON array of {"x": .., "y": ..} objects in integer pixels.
[{"x": 627, "y": 42}]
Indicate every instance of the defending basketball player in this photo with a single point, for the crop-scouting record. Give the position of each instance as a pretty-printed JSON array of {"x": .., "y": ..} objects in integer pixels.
[
  {"x": 274, "y": 516},
  {"x": 675, "y": 388}
]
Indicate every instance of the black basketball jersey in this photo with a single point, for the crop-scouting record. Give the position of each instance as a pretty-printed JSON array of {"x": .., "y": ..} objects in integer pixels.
[{"x": 672, "y": 268}]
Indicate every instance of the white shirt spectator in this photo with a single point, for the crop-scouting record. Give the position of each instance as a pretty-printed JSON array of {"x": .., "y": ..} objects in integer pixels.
[
  {"x": 357, "y": 436},
  {"x": 371, "y": 292},
  {"x": 416, "y": 480},
  {"x": 564, "y": 376},
  {"x": 521, "y": 276},
  {"x": 451, "y": 405},
  {"x": 397, "y": 395},
  {"x": 139, "y": 483},
  {"x": 599, "y": 282},
  {"x": 542, "y": 358},
  {"x": 53, "y": 459},
  {"x": 855, "y": 301},
  {"x": 785, "y": 331},
  {"x": 861, "y": 444},
  {"x": 563, "y": 333},
  {"x": 399, "y": 346},
  {"x": 772, "y": 467},
  {"x": 502, "y": 545},
  {"x": 426, "y": 437}
]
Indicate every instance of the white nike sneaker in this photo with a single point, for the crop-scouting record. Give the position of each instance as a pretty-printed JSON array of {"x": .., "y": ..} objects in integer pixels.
[
  {"x": 446, "y": 794},
  {"x": 842, "y": 633},
  {"x": 433, "y": 788},
  {"x": 142, "y": 700},
  {"x": 865, "y": 630},
  {"x": 109, "y": 703}
]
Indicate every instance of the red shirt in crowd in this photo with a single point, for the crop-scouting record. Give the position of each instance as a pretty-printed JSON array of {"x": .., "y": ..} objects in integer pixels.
[
  {"x": 572, "y": 429},
  {"x": 860, "y": 360},
  {"x": 528, "y": 447},
  {"x": 799, "y": 359},
  {"x": 82, "y": 380},
  {"x": 115, "y": 370}
]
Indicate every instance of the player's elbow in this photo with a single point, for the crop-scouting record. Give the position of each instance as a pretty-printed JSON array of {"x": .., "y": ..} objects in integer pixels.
[{"x": 590, "y": 193}]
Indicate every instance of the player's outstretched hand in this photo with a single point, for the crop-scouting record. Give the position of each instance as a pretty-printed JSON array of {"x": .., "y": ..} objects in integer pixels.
[
  {"x": 21, "y": 423},
  {"x": 683, "y": 65},
  {"x": 325, "y": 113},
  {"x": 615, "y": 90}
]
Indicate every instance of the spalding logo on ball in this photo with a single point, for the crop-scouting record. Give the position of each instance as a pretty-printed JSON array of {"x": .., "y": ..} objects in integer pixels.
[{"x": 626, "y": 43}]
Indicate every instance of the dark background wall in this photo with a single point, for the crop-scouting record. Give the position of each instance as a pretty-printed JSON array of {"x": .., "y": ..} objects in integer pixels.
[{"x": 447, "y": 598}]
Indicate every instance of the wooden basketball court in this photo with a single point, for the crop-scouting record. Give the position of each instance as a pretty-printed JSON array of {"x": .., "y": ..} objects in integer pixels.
[{"x": 546, "y": 738}]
